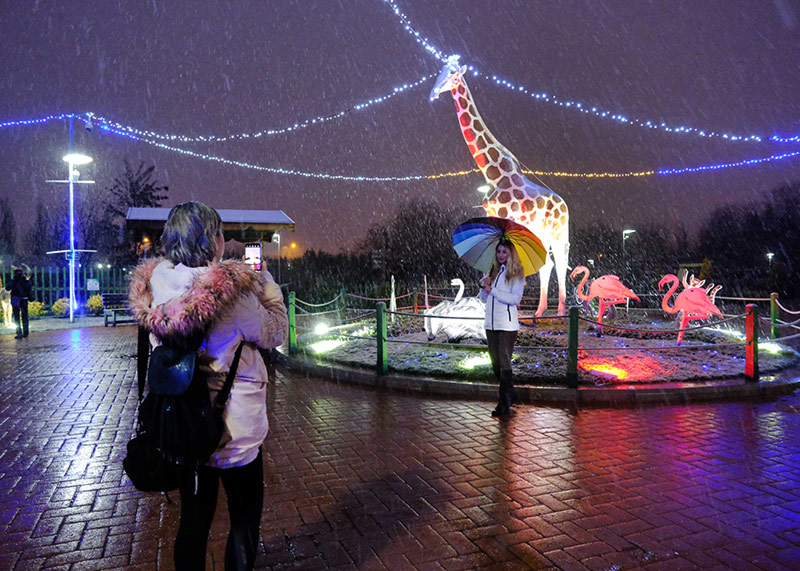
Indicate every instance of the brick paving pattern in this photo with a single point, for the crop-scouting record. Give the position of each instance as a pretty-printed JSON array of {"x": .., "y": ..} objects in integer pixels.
[{"x": 365, "y": 479}]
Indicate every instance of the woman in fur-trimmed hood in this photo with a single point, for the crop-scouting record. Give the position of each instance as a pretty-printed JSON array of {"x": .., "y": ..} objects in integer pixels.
[{"x": 191, "y": 292}]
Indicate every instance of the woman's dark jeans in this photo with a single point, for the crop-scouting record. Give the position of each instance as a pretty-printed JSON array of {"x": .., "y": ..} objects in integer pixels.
[{"x": 244, "y": 488}]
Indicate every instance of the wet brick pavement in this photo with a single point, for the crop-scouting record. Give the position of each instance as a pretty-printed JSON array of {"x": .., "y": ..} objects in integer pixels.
[{"x": 364, "y": 479}]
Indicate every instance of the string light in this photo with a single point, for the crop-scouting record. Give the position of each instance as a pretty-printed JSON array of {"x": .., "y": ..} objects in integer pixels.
[
  {"x": 266, "y": 132},
  {"x": 729, "y": 165},
  {"x": 39, "y": 121},
  {"x": 452, "y": 174},
  {"x": 581, "y": 107},
  {"x": 108, "y": 127},
  {"x": 419, "y": 38},
  {"x": 625, "y": 120},
  {"x": 278, "y": 170}
]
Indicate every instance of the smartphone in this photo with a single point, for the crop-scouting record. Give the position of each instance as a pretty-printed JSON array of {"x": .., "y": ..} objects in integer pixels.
[{"x": 252, "y": 255}]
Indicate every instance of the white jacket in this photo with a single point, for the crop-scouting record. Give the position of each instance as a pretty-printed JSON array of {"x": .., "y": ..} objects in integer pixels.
[
  {"x": 501, "y": 303},
  {"x": 175, "y": 300}
]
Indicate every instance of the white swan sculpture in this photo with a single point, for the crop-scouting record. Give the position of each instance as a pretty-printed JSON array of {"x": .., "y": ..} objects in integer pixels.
[{"x": 457, "y": 329}]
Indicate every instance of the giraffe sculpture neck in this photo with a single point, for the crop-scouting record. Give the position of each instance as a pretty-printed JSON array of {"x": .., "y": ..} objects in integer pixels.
[
  {"x": 491, "y": 157},
  {"x": 513, "y": 195}
]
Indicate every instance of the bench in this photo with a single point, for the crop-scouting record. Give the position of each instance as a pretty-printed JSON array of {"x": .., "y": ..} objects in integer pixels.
[{"x": 115, "y": 309}]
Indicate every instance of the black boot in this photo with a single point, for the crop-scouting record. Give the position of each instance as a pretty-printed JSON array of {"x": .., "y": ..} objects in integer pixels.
[
  {"x": 507, "y": 376},
  {"x": 507, "y": 396}
]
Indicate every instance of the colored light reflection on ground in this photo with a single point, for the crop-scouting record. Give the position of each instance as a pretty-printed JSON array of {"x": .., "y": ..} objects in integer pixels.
[
  {"x": 607, "y": 370},
  {"x": 628, "y": 367}
]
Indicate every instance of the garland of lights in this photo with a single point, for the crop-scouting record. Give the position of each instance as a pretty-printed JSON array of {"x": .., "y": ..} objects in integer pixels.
[
  {"x": 361, "y": 178},
  {"x": 589, "y": 110},
  {"x": 420, "y": 39},
  {"x": 89, "y": 118},
  {"x": 266, "y": 132}
]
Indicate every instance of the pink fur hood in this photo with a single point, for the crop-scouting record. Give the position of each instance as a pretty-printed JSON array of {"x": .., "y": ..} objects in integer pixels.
[{"x": 200, "y": 295}]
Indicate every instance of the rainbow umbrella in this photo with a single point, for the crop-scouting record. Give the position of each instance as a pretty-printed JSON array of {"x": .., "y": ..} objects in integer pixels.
[{"x": 476, "y": 240}]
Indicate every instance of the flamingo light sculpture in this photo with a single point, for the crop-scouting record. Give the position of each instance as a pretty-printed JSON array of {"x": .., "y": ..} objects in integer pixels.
[
  {"x": 690, "y": 281},
  {"x": 692, "y": 303},
  {"x": 608, "y": 289}
]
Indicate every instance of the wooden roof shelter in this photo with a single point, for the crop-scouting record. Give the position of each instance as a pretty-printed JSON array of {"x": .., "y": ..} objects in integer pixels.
[{"x": 239, "y": 225}]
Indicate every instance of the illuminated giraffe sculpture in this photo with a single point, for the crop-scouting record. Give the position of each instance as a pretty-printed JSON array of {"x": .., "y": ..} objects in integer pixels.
[{"x": 512, "y": 195}]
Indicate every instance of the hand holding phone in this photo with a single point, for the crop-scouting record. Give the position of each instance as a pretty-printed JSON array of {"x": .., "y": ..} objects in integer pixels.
[{"x": 252, "y": 255}]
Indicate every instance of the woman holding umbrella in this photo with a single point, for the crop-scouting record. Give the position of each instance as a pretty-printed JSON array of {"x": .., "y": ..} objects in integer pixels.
[{"x": 502, "y": 292}]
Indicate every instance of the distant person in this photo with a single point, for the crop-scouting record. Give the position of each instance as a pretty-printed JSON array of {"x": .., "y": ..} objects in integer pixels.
[
  {"x": 20, "y": 292},
  {"x": 502, "y": 292},
  {"x": 190, "y": 293},
  {"x": 6, "y": 319}
]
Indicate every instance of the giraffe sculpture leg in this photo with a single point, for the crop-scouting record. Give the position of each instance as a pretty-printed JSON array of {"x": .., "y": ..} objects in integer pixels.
[
  {"x": 561, "y": 256},
  {"x": 544, "y": 280}
]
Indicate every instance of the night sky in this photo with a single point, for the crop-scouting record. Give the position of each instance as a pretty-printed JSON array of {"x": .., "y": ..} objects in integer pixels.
[{"x": 218, "y": 68}]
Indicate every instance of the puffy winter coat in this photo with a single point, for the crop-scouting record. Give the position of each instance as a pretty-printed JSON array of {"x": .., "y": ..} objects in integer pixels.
[
  {"x": 234, "y": 304},
  {"x": 501, "y": 303}
]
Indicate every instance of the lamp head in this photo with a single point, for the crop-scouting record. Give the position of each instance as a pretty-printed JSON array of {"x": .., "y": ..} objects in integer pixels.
[{"x": 77, "y": 159}]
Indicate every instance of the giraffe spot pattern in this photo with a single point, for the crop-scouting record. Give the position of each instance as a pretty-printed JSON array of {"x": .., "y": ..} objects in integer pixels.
[
  {"x": 505, "y": 165},
  {"x": 477, "y": 125},
  {"x": 502, "y": 212},
  {"x": 481, "y": 143},
  {"x": 492, "y": 172},
  {"x": 504, "y": 183},
  {"x": 464, "y": 120},
  {"x": 517, "y": 179},
  {"x": 515, "y": 206},
  {"x": 518, "y": 194},
  {"x": 462, "y": 103},
  {"x": 504, "y": 197},
  {"x": 527, "y": 205},
  {"x": 494, "y": 154},
  {"x": 540, "y": 202}
]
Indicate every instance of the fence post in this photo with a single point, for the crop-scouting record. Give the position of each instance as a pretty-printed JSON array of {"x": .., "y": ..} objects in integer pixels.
[
  {"x": 572, "y": 349},
  {"x": 774, "y": 315},
  {"x": 751, "y": 344},
  {"x": 292, "y": 325},
  {"x": 380, "y": 335},
  {"x": 416, "y": 302},
  {"x": 342, "y": 304}
]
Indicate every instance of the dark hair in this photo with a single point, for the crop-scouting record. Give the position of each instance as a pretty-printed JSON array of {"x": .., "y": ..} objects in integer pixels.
[{"x": 189, "y": 236}]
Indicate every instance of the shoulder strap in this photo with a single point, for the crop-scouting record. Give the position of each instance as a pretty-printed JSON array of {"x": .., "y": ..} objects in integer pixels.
[
  {"x": 222, "y": 395},
  {"x": 142, "y": 356}
]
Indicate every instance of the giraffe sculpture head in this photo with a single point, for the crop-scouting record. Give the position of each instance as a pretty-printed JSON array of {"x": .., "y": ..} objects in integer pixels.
[{"x": 449, "y": 78}]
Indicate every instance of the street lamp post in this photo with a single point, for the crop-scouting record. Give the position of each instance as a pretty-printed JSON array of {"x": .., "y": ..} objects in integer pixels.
[
  {"x": 72, "y": 160},
  {"x": 625, "y": 235},
  {"x": 770, "y": 255},
  {"x": 276, "y": 239}
]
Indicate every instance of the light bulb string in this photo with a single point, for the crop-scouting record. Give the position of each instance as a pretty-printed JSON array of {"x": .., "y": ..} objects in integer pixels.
[
  {"x": 408, "y": 178},
  {"x": 264, "y": 132},
  {"x": 576, "y": 105}
]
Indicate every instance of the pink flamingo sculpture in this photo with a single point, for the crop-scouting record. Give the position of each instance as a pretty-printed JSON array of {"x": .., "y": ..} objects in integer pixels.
[
  {"x": 692, "y": 281},
  {"x": 608, "y": 290},
  {"x": 692, "y": 302}
]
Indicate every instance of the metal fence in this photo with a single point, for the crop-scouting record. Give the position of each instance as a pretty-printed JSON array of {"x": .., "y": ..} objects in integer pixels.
[{"x": 51, "y": 283}]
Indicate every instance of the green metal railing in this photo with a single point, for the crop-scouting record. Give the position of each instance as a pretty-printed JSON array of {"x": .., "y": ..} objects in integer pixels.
[
  {"x": 573, "y": 318},
  {"x": 52, "y": 283}
]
